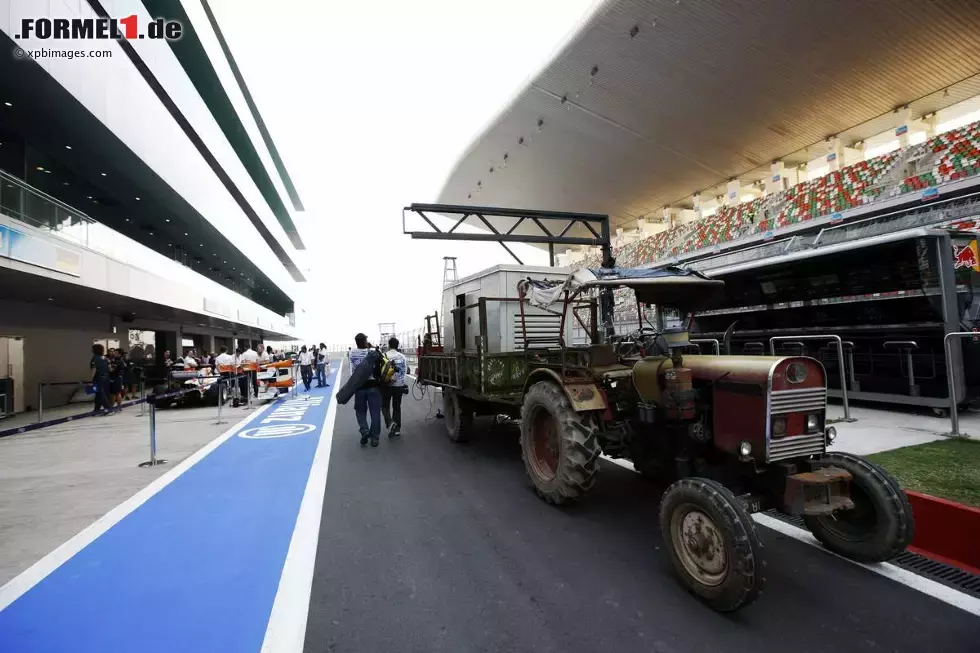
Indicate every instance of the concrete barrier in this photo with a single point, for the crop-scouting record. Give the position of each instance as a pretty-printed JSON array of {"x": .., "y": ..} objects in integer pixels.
[{"x": 946, "y": 531}]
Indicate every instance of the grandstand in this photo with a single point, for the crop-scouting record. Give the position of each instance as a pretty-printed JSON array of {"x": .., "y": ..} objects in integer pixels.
[{"x": 951, "y": 156}]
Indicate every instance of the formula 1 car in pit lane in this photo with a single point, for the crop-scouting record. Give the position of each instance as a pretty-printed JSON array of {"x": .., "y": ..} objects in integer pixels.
[
  {"x": 276, "y": 378},
  {"x": 201, "y": 384}
]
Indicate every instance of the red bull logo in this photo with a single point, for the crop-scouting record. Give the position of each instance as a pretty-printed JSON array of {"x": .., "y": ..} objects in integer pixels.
[{"x": 967, "y": 256}]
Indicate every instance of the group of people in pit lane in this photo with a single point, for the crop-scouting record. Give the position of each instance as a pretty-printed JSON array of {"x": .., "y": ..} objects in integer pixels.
[
  {"x": 314, "y": 358},
  {"x": 115, "y": 377},
  {"x": 376, "y": 396}
]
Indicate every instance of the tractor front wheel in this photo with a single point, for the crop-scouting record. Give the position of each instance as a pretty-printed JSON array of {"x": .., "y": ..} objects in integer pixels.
[
  {"x": 458, "y": 415},
  {"x": 558, "y": 445},
  {"x": 878, "y": 527},
  {"x": 712, "y": 543}
]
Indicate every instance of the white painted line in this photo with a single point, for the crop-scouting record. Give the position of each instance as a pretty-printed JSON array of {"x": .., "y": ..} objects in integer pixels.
[
  {"x": 286, "y": 631},
  {"x": 936, "y": 590},
  {"x": 932, "y": 588},
  {"x": 40, "y": 569}
]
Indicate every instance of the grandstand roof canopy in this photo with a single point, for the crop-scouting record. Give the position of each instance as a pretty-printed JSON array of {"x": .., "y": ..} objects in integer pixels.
[{"x": 649, "y": 101}]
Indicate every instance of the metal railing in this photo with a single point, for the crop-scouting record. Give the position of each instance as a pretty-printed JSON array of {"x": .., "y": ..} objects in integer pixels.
[
  {"x": 840, "y": 362},
  {"x": 35, "y": 208},
  {"x": 908, "y": 346},
  {"x": 954, "y": 415},
  {"x": 42, "y": 211},
  {"x": 716, "y": 345}
]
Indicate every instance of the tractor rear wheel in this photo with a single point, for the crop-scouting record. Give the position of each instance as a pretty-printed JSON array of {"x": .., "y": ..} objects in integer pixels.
[
  {"x": 712, "y": 543},
  {"x": 879, "y": 527},
  {"x": 458, "y": 415},
  {"x": 558, "y": 445}
]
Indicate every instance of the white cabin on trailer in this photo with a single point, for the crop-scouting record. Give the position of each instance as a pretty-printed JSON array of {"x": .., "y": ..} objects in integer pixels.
[{"x": 504, "y": 331}]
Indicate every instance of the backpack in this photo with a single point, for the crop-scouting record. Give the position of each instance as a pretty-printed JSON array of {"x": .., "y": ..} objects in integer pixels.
[{"x": 386, "y": 369}]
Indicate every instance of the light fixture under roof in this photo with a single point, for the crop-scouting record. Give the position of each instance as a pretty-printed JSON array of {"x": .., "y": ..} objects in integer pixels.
[
  {"x": 137, "y": 199},
  {"x": 97, "y": 307},
  {"x": 8, "y": 104},
  {"x": 40, "y": 168},
  {"x": 103, "y": 174},
  {"x": 47, "y": 172},
  {"x": 185, "y": 233},
  {"x": 67, "y": 147}
]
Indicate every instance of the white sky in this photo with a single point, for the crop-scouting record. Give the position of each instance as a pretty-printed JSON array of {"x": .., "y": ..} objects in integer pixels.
[{"x": 370, "y": 105}]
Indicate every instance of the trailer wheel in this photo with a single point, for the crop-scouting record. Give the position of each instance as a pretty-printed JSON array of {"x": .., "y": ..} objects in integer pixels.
[
  {"x": 558, "y": 445},
  {"x": 879, "y": 527},
  {"x": 712, "y": 543},
  {"x": 458, "y": 416}
]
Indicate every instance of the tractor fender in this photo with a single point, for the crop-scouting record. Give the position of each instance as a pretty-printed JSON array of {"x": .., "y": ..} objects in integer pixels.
[{"x": 582, "y": 396}]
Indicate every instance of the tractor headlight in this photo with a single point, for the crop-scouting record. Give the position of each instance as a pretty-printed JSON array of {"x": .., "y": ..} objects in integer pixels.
[
  {"x": 831, "y": 434},
  {"x": 812, "y": 423},
  {"x": 744, "y": 448},
  {"x": 796, "y": 373},
  {"x": 779, "y": 426}
]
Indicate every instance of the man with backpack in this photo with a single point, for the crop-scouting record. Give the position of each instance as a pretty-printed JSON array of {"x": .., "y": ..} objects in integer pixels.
[
  {"x": 368, "y": 395},
  {"x": 392, "y": 393}
]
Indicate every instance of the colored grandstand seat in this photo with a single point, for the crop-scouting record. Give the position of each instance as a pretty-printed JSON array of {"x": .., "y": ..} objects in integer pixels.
[{"x": 834, "y": 192}]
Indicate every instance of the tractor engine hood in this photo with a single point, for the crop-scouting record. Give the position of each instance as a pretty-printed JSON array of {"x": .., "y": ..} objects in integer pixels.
[{"x": 648, "y": 373}]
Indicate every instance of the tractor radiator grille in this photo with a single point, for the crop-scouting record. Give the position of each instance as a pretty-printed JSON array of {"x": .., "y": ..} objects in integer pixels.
[
  {"x": 795, "y": 446},
  {"x": 807, "y": 400}
]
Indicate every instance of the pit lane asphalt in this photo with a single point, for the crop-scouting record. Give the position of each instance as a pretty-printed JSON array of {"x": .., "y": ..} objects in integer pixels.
[{"x": 426, "y": 545}]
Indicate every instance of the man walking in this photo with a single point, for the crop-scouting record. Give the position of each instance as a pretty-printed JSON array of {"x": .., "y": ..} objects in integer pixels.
[
  {"x": 321, "y": 366},
  {"x": 368, "y": 396},
  {"x": 250, "y": 360},
  {"x": 306, "y": 367},
  {"x": 391, "y": 394}
]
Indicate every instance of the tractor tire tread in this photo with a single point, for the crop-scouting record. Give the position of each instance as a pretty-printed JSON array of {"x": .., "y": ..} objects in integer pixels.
[
  {"x": 579, "y": 451},
  {"x": 747, "y": 576}
]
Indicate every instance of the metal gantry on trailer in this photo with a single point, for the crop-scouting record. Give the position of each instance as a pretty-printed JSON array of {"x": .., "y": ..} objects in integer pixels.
[{"x": 883, "y": 304}]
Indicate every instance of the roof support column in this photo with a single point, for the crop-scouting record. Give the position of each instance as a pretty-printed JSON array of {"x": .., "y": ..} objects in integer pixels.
[
  {"x": 929, "y": 122},
  {"x": 776, "y": 181},
  {"x": 903, "y": 116},
  {"x": 734, "y": 194},
  {"x": 670, "y": 216},
  {"x": 697, "y": 206},
  {"x": 835, "y": 155}
]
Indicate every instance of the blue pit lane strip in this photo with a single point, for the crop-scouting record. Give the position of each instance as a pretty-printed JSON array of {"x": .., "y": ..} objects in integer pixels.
[{"x": 197, "y": 566}]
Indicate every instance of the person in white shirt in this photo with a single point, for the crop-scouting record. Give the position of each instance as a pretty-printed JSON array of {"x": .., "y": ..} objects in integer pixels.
[
  {"x": 189, "y": 362},
  {"x": 227, "y": 361},
  {"x": 266, "y": 356},
  {"x": 251, "y": 357},
  {"x": 391, "y": 394},
  {"x": 306, "y": 367},
  {"x": 242, "y": 378},
  {"x": 367, "y": 398},
  {"x": 322, "y": 361}
]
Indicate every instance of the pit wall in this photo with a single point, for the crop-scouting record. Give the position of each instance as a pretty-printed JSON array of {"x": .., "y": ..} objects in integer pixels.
[{"x": 946, "y": 531}]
